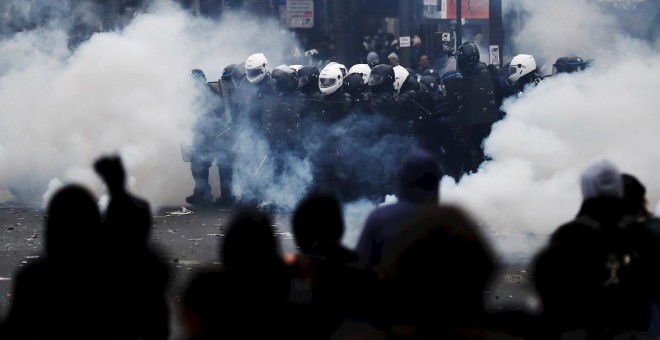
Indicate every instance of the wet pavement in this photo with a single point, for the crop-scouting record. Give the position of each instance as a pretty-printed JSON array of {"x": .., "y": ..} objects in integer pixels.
[{"x": 188, "y": 239}]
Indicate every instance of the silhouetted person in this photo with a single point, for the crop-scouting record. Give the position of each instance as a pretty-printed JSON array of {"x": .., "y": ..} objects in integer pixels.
[
  {"x": 60, "y": 295},
  {"x": 136, "y": 277},
  {"x": 418, "y": 187},
  {"x": 435, "y": 272},
  {"x": 327, "y": 286},
  {"x": 591, "y": 276},
  {"x": 244, "y": 300},
  {"x": 635, "y": 205}
]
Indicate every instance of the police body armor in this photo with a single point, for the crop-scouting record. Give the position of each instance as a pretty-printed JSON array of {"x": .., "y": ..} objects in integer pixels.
[
  {"x": 472, "y": 100},
  {"x": 330, "y": 109},
  {"x": 281, "y": 119}
]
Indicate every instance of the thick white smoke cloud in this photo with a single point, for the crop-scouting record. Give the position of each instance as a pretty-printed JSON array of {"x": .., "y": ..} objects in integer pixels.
[
  {"x": 554, "y": 131},
  {"x": 127, "y": 91}
]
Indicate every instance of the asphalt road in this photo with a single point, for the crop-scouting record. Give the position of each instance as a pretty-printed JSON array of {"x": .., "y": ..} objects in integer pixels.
[{"x": 188, "y": 240}]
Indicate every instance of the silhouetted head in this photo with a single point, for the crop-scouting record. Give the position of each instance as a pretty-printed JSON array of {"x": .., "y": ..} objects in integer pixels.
[
  {"x": 634, "y": 195},
  {"x": 112, "y": 171},
  {"x": 601, "y": 179},
  {"x": 250, "y": 244},
  {"x": 317, "y": 219},
  {"x": 419, "y": 178},
  {"x": 72, "y": 224}
]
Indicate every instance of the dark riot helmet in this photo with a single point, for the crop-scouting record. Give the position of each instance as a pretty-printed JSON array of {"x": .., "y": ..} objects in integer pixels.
[
  {"x": 308, "y": 79},
  {"x": 410, "y": 84},
  {"x": 283, "y": 79},
  {"x": 569, "y": 65},
  {"x": 238, "y": 74},
  {"x": 353, "y": 84},
  {"x": 429, "y": 83},
  {"x": 433, "y": 73},
  {"x": 467, "y": 55},
  {"x": 226, "y": 73},
  {"x": 381, "y": 78},
  {"x": 450, "y": 80}
]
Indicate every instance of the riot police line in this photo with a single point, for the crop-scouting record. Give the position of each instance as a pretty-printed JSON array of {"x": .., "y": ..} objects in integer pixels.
[{"x": 351, "y": 124}]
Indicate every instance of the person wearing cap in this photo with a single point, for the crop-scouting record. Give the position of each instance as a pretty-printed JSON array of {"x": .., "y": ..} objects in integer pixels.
[
  {"x": 373, "y": 59},
  {"x": 393, "y": 58}
]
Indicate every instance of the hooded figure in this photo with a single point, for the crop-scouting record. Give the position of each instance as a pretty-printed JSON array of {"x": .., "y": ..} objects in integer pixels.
[
  {"x": 594, "y": 274},
  {"x": 418, "y": 186}
]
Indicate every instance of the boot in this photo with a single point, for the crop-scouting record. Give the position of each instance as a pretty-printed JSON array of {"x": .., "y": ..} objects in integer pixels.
[
  {"x": 202, "y": 195},
  {"x": 226, "y": 198}
]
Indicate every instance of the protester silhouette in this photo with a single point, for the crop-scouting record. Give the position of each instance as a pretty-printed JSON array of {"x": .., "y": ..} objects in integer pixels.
[
  {"x": 328, "y": 288},
  {"x": 435, "y": 275},
  {"x": 136, "y": 277},
  {"x": 60, "y": 295},
  {"x": 635, "y": 205},
  {"x": 246, "y": 297},
  {"x": 418, "y": 187},
  {"x": 591, "y": 276}
]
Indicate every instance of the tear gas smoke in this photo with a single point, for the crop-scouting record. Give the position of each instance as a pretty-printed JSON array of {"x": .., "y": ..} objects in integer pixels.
[
  {"x": 552, "y": 132},
  {"x": 127, "y": 91}
]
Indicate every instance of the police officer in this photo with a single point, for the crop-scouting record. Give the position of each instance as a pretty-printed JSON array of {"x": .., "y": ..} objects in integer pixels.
[
  {"x": 381, "y": 86},
  {"x": 478, "y": 110},
  {"x": 226, "y": 139},
  {"x": 326, "y": 153},
  {"x": 257, "y": 74},
  {"x": 569, "y": 65},
  {"x": 281, "y": 116},
  {"x": 523, "y": 72},
  {"x": 209, "y": 125}
]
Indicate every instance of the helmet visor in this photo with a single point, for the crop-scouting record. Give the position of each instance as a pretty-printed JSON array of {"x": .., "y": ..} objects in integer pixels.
[
  {"x": 514, "y": 69},
  {"x": 327, "y": 82},
  {"x": 302, "y": 81},
  {"x": 255, "y": 72},
  {"x": 375, "y": 79}
]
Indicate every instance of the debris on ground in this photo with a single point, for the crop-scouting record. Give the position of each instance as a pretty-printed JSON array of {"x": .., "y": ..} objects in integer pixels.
[{"x": 183, "y": 211}]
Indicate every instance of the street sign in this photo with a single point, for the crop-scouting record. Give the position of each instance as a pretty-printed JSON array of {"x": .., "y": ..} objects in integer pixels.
[
  {"x": 494, "y": 54},
  {"x": 434, "y": 9},
  {"x": 404, "y": 41},
  {"x": 300, "y": 13}
]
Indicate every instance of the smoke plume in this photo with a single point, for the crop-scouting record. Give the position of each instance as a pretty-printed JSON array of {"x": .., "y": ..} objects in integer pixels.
[
  {"x": 552, "y": 132},
  {"x": 123, "y": 90}
]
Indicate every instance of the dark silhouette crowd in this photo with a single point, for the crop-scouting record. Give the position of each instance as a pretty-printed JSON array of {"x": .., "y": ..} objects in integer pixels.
[{"x": 419, "y": 270}]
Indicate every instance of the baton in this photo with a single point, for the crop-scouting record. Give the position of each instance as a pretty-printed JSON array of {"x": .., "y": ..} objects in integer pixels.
[{"x": 260, "y": 164}]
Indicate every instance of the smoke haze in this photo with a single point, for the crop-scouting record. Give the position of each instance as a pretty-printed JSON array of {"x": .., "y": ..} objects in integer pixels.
[
  {"x": 125, "y": 91},
  {"x": 554, "y": 131},
  {"x": 128, "y": 89}
]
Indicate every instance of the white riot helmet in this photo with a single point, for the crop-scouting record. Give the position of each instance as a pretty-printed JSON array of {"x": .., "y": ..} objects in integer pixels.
[
  {"x": 344, "y": 71},
  {"x": 330, "y": 79},
  {"x": 256, "y": 68},
  {"x": 363, "y": 69},
  {"x": 521, "y": 65},
  {"x": 400, "y": 76}
]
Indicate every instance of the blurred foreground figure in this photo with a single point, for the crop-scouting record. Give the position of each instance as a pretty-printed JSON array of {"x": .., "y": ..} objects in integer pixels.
[
  {"x": 61, "y": 295},
  {"x": 244, "y": 300},
  {"x": 418, "y": 186},
  {"x": 328, "y": 289},
  {"x": 599, "y": 272},
  {"x": 136, "y": 277}
]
